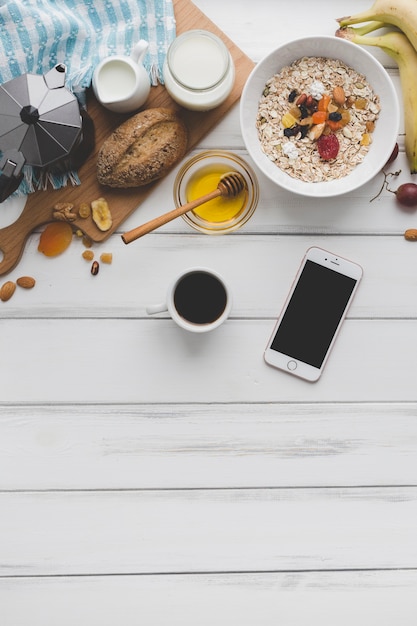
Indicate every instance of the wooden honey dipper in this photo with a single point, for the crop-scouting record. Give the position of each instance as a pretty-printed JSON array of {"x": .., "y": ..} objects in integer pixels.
[{"x": 230, "y": 185}]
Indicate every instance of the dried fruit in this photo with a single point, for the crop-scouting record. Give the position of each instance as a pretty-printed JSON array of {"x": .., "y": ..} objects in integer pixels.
[
  {"x": 360, "y": 103},
  {"x": 411, "y": 234},
  {"x": 87, "y": 241},
  {"x": 84, "y": 210},
  {"x": 332, "y": 108},
  {"x": 106, "y": 257},
  {"x": 88, "y": 255},
  {"x": 323, "y": 102},
  {"x": 7, "y": 290},
  {"x": 328, "y": 146},
  {"x": 345, "y": 116},
  {"x": 288, "y": 120},
  {"x": 366, "y": 139},
  {"x": 56, "y": 238},
  {"x": 335, "y": 116},
  {"x": 101, "y": 214},
  {"x": 27, "y": 282},
  {"x": 95, "y": 268},
  {"x": 319, "y": 117},
  {"x": 335, "y": 121},
  {"x": 292, "y": 95}
]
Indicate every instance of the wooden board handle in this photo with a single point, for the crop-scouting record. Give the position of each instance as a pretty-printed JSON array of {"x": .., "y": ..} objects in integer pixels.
[{"x": 13, "y": 237}]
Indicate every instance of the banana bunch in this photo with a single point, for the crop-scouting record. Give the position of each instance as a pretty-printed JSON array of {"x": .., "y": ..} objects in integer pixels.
[{"x": 401, "y": 45}]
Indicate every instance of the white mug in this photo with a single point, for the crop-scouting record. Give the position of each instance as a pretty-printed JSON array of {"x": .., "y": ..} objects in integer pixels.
[
  {"x": 121, "y": 83},
  {"x": 198, "y": 300}
]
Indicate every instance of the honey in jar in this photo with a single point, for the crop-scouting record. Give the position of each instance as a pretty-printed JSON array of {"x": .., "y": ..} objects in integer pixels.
[{"x": 219, "y": 209}]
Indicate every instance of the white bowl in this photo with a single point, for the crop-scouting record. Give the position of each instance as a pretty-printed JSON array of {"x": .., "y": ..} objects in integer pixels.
[{"x": 386, "y": 130}]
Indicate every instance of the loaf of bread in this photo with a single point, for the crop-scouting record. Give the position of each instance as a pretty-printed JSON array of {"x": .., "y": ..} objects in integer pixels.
[{"x": 142, "y": 149}]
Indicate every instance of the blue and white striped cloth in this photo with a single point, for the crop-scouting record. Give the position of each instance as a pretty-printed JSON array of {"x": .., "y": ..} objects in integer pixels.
[{"x": 35, "y": 35}]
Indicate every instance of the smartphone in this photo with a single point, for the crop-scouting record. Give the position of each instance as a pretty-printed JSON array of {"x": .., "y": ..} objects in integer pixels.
[{"x": 313, "y": 313}]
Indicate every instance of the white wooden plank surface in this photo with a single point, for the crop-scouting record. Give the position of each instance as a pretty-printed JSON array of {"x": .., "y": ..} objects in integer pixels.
[
  {"x": 379, "y": 598},
  {"x": 220, "y": 530},
  {"x": 259, "y": 281},
  {"x": 373, "y": 360},
  {"x": 207, "y": 446}
]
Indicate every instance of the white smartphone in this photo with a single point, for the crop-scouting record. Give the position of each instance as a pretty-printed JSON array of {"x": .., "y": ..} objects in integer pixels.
[{"x": 313, "y": 313}]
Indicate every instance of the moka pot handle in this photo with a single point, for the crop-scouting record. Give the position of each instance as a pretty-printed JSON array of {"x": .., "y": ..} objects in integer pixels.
[{"x": 11, "y": 174}]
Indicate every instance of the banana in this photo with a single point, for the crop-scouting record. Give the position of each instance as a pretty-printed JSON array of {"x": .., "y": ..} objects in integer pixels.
[
  {"x": 400, "y": 13},
  {"x": 397, "y": 46}
]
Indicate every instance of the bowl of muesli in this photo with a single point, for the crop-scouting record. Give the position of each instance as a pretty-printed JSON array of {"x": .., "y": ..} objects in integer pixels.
[{"x": 319, "y": 116}]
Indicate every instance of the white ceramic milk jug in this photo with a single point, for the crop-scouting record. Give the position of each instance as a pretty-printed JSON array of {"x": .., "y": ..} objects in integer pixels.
[{"x": 121, "y": 83}]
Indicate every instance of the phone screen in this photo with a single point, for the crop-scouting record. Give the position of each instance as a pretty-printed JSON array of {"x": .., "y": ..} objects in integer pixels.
[{"x": 313, "y": 314}]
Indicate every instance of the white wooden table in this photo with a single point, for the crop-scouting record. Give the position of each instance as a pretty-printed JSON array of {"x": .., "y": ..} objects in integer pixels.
[{"x": 203, "y": 487}]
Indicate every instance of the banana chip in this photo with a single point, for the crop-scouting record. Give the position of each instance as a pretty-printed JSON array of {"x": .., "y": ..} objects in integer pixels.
[{"x": 101, "y": 214}]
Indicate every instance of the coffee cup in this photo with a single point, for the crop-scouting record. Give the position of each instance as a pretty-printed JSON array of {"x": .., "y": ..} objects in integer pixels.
[
  {"x": 121, "y": 83},
  {"x": 198, "y": 300}
]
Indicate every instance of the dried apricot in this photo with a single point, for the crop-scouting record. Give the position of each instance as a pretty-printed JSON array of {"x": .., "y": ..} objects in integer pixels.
[
  {"x": 324, "y": 102},
  {"x": 319, "y": 117},
  {"x": 56, "y": 238},
  {"x": 334, "y": 125}
]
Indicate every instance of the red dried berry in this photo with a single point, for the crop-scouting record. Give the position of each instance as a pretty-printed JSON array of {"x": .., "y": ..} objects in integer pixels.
[{"x": 328, "y": 146}]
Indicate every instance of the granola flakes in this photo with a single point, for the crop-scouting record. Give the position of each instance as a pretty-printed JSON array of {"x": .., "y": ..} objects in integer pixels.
[{"x": 298, "y": 155}]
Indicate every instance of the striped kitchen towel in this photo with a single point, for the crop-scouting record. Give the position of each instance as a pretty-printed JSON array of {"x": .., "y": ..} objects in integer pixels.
[{"x": 35, "y": 35}]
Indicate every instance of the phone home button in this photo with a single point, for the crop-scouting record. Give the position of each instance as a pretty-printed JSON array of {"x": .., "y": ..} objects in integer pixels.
[{"x": 292, "y": 365}]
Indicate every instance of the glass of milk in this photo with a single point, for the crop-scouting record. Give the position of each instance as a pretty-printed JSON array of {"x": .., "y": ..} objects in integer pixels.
[{"x": 199, "y": 73}]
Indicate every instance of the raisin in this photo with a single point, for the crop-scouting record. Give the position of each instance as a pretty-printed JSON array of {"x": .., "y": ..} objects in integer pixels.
[
  {"x": 292, "y": 95},
  {"x": 335, "y": 116},
  {"x": 328, "y": 146},
  {"x": 304, "y": 111}
]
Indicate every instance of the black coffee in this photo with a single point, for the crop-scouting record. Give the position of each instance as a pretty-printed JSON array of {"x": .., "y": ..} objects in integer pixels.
[{"x": 200, "y": 298}]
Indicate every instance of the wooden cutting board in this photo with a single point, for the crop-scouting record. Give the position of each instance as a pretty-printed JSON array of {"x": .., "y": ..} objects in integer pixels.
[{"x": 39, "y": 206}]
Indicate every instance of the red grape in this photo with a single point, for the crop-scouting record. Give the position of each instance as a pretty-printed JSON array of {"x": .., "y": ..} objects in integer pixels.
[{"x": 407, "y": 194}]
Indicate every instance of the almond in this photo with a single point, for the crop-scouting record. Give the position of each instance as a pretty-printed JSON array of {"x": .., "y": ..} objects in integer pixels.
[
  {"x": 411, "y": 234},
  {"x": 27, "y": 282},
  {"x": 339, "y": 95},
  {"x": 7, "y": 290},
  {"x": 316, "y": 131}
]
